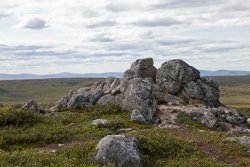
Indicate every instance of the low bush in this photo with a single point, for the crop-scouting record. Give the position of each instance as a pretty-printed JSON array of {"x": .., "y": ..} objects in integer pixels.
[
  {"x": 112, "y": 125},
  {"x": 18, "y": 118},
  {"x": 182, "y": 118}
]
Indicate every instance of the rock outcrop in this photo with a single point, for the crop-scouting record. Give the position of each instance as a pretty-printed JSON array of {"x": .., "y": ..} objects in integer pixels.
[
  {"x": 174, "y": 84},
  {"x": 220, "y": 119},
  {"x": 119, "y": 150}
]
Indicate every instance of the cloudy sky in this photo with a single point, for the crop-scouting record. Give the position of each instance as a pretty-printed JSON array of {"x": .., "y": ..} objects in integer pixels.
[{"x": 84, "y": 36}]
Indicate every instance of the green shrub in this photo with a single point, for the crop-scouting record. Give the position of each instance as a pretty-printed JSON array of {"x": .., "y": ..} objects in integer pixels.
[
  {"x": 18, "y": 118},
  {"x": 182, "y": 118},
  {"x": 245, "y": 111},
  {"x": 112, "y": 125}
]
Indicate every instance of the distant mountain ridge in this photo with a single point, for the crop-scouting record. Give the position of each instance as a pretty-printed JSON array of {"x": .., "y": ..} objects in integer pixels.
[
  {"x": 224, "y": 73},
  {"x": 59, "y": 75},
  {"x": 113, "y": 74}
]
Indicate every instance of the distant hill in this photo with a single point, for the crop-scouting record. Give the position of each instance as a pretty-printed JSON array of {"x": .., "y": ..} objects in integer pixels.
[
  {"x": 108, "y": 74},
  {"x": 224, "y": 73},
  {"x": 59, "y": 75}
]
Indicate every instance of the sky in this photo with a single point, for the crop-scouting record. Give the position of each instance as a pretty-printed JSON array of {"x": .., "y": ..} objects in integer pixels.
[{"x": 88, "y": 36}]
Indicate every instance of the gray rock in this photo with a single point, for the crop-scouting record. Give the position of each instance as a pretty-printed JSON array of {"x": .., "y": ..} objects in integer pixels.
[
  {"x": 139, "y": 97},
  {"x": 125, "y": 130},
  {"x": 115, "y": 87},
  {"x": 245, "y": 140},
  {"x": 144, "y": 68},
  {"x": 96, "y": 96},
  {"x": 119, "y": 150},
  {"x": 107, "y": 84},
  {"x": 205, "y": 90},
  {"x": 77, "y": 101},
  {"x": 193, "y": 90},
  {"x": 99, "y": 122},
  {"x": 229, "y": 116},
  {"x": 141, "y": 68},
  {"x": 31, "y": 105},
  {"x": 164, "y": 98},
  {"x": 174, "y": 74},
  {"x": 220, "y": 119},
  {"x": 137, "y": 116},
  {"x": 211, "y": 91},
  {"x": 109, "y": 99}
]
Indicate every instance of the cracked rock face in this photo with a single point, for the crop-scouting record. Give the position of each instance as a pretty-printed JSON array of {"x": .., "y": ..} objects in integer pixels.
[
  {"x": 173, "y": 74},
  {"x": 119, "y": 150},
  {"x": 178, "y": 78},
  {"x": 141, "y": 68},
  {"x": 139, "y": 100},
  {"x": 220, "y": 119}
]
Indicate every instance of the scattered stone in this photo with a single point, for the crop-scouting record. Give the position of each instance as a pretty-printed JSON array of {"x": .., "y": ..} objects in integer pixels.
[
  {"x": 33, "y": 106},
  {"x": 61, "y": 145},
  {"x": 99, "y": 122},
  {"x": 119, "y": 150},
  {"x": 139, "y": 100},
  {"x": 125, "y": 130}
]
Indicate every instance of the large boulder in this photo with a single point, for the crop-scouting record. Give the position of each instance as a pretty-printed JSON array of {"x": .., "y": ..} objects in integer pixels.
[
  {"x": 139, "y": 98},
  {"x": 141, "y": 68},
  {"x": 204, "y": 89},
  {"x": 119, "y": 150},
  {"x": 174, "y": 74}
]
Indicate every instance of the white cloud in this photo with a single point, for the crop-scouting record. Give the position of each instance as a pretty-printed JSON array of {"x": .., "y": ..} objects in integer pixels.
[
  {"x": 94, "y": 31},
  {"x": 31, "y": 21}
]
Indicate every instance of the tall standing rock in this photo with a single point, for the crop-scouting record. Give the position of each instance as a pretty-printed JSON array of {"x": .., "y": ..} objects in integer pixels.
[
  {"x": 173, "y": 74},
  {"x": 139, "y": 100},
  {"x": 141, "y": 68}
]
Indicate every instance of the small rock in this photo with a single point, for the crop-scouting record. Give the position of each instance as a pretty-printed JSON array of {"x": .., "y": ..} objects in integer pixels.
[
  {"x": 61, "y": 145},
  {"x": 33, "y": 106},
  {"x": 137, "y": 116},
  {"x": 125, "y": 130},
  {"x": 99, "y": 122}
]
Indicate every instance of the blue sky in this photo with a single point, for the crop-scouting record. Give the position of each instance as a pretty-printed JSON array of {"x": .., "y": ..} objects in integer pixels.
[{"x": 83, "y": 36}]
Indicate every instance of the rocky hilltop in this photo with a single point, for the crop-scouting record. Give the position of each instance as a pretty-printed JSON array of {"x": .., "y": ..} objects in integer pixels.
[
  {"x": 150, "y": 94},
  {"x": 153, "y": 96}
]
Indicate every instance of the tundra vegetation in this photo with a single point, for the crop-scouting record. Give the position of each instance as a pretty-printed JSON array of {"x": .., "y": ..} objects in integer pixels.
[{"x": 68, "y": 136}]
